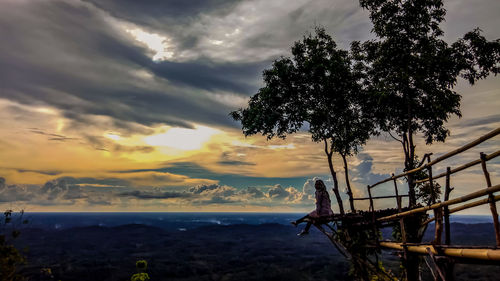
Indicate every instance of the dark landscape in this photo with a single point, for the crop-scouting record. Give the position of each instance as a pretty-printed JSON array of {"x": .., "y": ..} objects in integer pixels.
[{"x": 212, "y": 251}]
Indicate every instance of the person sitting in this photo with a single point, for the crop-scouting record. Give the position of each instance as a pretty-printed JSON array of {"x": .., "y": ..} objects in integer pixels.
[{"x": 323, "y": 208}]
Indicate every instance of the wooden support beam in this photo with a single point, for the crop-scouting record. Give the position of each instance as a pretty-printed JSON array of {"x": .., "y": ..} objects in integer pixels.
[
  {"x": 461, "y": 199},
  {"x": 434, "y": 263},
  {"x": 431, "y": 270},
  {"x": 445, "y": 156},
  {"x": 493, "y": 206},
  {"x": 478, "y": 254}
]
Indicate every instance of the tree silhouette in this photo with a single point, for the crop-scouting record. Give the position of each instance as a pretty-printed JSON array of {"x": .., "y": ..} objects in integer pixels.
[
  {"x": 410, "y": 72},
  {"x": 317, "y": 88}
]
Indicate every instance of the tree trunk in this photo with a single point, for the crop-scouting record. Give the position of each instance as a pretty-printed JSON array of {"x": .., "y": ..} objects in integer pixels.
[
  {"x": 411, "y": 166},
  {"x": 348, "y": 184},
  {"x": 412, "y": 263},
  {"x": 329, "y": 155}
]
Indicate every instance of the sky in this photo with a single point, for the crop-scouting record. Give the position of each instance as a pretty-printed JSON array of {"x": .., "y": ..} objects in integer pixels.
[{"x": 110, "y": 105}]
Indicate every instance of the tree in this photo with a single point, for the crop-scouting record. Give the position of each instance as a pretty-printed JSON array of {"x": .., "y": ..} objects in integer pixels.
[
  {"x": 10, "y": 258},
  {"x": 141, "y": 275},
  {"x": 317, "y": 87},
  {"x": 411, "y": 71}
]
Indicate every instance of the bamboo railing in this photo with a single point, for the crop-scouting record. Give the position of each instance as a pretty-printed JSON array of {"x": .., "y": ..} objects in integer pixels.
[
  {"x": 480, "y": 254},
  {"x": 443, "y": 157},
  {"x": 442, "y": 210}
]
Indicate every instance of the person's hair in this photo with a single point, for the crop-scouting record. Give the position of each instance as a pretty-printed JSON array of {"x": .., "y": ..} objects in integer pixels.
[{"x": 320, "y": 185}]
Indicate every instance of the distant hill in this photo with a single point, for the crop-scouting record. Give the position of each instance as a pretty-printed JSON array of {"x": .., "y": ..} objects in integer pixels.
[{"x": 213, "y": 252}]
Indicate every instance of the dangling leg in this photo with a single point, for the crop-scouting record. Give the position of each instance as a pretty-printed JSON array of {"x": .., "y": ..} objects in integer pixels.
[
  {"x": 306, "y": 229},
  {"x": 301, "y": 220}
]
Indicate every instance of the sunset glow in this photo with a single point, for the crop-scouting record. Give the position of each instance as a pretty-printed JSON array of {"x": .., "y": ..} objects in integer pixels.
[{"x": 114, "y": 108}]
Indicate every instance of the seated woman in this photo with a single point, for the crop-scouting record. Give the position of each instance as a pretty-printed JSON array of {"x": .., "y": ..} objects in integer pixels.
[{"x": 323, "y": 207}]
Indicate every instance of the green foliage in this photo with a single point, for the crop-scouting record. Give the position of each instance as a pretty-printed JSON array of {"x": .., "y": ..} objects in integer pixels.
[
  {"x": 425, "y": 193},
  {"x": 317, "y": 86},
  {"x": 141, "y": 275},
  {"x": 359, "y": 243},
  {"x": 413, "y": 227},
  {"x": 411, "y": 70},
  {"x": 10, "y": 257},
  {"x": 428, "y": 194},
  {"x": 141, "y": 265}
]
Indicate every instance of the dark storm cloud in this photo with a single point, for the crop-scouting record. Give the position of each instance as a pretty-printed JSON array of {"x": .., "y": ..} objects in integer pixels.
[
  {"x": 104, "y": 144},
  {"x": 227, "y": 159},
  {"x": 490, "y": 120},
  {"x": 235, "y": 163},
  {"x": 194, "y": 170},
  {"x": 169, "y": 16},
  {"x": 217, "y": 200},
  {"x": 87, "y": 181},
  {"x": 77, "y": 57},
  {"x": 212, "y": 76},
  {"x": 158, "y": 195},
  {"x": 49, "y": 173},
  {"x": 68, "y": 55},
  {"x": 152, "y": 12}
]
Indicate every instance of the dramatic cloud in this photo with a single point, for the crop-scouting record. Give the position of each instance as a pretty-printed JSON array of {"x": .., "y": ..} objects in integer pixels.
[
  {"x": 123, "y": 105},
  {"x": 149, "y": 195}
]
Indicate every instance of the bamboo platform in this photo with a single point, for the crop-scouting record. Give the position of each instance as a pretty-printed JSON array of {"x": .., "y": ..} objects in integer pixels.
[{"x": 436, "y": 250}]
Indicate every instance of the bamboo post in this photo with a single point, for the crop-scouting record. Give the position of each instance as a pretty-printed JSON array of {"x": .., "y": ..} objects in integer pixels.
[
  {"x": 493, "y": 206},
  {"x": 435, "y": 265},
  {"x": 398, "y": 201},
  {"x": 374, "y": 221},
  {"x": 370, "y": 196},
  {"x": 447, "y": 192},
  {"x": 401, "y": 220},
  {"x": 438, "y": 213}
]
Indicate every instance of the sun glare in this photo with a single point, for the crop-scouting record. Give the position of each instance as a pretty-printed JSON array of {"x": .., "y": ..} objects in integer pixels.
[
  {"x": 182, "y": 138},
  {"x": 155, "y": 43}
]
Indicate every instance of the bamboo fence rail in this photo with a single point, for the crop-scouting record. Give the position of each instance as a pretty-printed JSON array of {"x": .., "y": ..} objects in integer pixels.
[
  {"x": 443, "y": 157},
  {"x": 461, "y": 199},
  {"x": 480, "y": 254}
]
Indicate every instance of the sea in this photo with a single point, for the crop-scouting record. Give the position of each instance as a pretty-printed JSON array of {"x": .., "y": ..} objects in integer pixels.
[{"x": 172, "y": 221}]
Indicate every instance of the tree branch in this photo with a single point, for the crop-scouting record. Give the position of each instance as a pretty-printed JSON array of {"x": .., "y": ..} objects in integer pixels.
[{"x": 396, "y": 139}]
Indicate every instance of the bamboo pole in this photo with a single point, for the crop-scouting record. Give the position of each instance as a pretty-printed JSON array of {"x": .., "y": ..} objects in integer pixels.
[
  {"x": 461, "y": 199},
  {"x": 467, "y": 206},
  {"x": 493, "y": 207},
  {"x": 463, "y": 167},
  {"x": 480, "y": 254},
  {"x": 370, "y": 197},
  {"x": 446, "y": 210},
  {"x": 436, "y": 267},
  {"x": 398, "y": 200},
  {"x": 438, "y": 228},
  {"x": 379, "y": 197},
  {"x": 445, "y": 156},
  {"x": 401, "y": 221}
]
